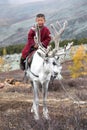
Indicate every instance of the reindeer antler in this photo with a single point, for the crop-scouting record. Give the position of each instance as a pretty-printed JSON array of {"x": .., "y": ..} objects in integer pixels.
[
  {"x": 57, "y": 34},
  {"x": 63, "y": 51},
  {"x": 56, "y": 39},
  {"x": 37, "y": 35}
]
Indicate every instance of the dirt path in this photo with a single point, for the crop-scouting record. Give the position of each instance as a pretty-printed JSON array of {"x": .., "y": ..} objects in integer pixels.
[{"x": 16, "y": 101}]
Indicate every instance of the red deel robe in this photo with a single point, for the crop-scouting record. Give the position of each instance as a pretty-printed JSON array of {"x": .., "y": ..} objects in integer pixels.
[{"x": 44, "y": 37}]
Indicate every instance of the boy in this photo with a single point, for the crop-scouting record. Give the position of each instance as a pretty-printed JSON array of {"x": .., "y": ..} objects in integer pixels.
[{"x": 31, "y": 45}]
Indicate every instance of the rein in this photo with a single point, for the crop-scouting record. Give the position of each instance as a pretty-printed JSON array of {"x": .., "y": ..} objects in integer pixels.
[{"x": 34, "y": 74}]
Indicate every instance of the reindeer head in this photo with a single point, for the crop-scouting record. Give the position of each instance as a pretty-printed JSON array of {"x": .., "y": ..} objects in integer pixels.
[{"x": 51, "y": 65}]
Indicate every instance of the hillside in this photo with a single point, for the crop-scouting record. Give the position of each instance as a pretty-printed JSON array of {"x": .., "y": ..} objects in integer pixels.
[{"x": 16, "y": 19}]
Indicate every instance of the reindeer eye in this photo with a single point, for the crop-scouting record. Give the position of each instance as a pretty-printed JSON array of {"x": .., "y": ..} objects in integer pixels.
[{"x": 54, "y": 63}]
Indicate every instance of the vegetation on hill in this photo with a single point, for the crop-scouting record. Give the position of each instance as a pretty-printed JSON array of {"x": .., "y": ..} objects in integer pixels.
[
  {"x": 11, "y": 49},
  {"x": 18, "y": 48},
  {"x": 75, "y": 41}
]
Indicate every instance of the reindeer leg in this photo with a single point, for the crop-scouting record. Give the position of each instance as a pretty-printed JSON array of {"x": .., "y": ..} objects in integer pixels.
[
  {"x": 35, "y": 107},
  {"x": 45, "y": 91}
]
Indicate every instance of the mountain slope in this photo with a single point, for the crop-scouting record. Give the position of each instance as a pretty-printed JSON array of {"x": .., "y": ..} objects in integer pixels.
[
  {"x": 4, "y": 1},
  {"x": 16, "y": 20}
]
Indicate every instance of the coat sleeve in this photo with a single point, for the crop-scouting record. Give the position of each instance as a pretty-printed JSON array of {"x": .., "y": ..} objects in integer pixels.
[
  {"x": 31, "y": 35},
  {"x": 29, "y": 44},
  {"x": 47, "y": 39}
]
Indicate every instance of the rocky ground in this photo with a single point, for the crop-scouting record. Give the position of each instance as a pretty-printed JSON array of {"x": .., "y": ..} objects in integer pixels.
[{"x": 63, "y": 96}]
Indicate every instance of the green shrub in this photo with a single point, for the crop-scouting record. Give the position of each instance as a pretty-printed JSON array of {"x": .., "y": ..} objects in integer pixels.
[
  {"x": 75, "y": 42},
  {"x": 18, "y": 48},
  {"x": 12, "y": 49}
]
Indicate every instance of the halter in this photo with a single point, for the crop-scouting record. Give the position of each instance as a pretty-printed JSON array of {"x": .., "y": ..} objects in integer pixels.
[{"x": 34, "y": 74}]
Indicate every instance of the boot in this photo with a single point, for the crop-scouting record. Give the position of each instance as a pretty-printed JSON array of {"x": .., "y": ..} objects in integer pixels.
[{"x": 22, "y": 64}]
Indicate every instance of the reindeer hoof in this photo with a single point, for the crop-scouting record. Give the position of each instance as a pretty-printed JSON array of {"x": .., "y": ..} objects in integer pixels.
[
  {"x": 36, "y": 117},
  {"x": 32, "y": 110},
  {"x": 46, "y": 116}
]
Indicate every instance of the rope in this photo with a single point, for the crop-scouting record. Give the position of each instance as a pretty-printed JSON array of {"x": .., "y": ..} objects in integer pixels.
[
  {"x": 77, "y": 101},
  {"x": 67, "y": 92}
]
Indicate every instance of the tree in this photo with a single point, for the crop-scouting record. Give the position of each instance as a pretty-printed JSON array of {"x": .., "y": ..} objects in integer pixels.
[
  {"x": 79, "y": 67},
  {"x": 4, "y": 51}
]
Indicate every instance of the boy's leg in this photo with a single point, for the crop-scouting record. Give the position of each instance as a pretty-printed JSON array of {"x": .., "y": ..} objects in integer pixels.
[
  {"x": 25, "y": 53},
  {"x": 22, "y": 64}
]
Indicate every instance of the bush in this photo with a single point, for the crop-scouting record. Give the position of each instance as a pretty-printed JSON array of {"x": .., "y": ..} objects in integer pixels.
[{"x": 79, "y": 67}]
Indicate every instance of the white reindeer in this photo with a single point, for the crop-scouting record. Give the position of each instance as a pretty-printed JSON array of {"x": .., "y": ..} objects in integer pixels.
[{"x": 44, "y": 65}]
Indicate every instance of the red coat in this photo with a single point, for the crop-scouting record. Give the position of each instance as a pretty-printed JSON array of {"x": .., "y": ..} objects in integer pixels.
[{"x": 44, "y": 37}]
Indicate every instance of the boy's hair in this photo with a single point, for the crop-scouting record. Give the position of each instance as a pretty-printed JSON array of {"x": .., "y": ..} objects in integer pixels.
[{"x": 40, "y": 15}]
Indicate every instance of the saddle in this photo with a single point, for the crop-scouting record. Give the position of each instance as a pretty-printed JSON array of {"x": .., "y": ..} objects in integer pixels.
[{"x": 30, "y": 57}]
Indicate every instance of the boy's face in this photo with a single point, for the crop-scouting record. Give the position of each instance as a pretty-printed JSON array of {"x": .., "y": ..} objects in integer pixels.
[{"x": 40, "y": 21}]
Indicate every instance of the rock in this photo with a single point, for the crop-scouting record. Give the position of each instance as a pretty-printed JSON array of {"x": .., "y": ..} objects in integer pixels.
[
  {"x": 11, "y": 62},
  {"x": 10, "y": 81},
  {"x": 1, "y": 85},
  {"x": 17, "y": 83}
]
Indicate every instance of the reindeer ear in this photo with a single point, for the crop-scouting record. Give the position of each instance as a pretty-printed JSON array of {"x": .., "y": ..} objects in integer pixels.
[
  {"x": 46, "y": 59},
  {"x": 56, "y": 57},
  {"x": 41, "y": 55}
]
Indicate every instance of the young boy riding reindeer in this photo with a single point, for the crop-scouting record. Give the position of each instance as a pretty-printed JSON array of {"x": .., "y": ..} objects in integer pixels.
[{"x": 32, "y": 44}]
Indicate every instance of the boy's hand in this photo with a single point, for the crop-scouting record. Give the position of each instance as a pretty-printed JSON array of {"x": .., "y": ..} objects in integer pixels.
[{"x": 36, "y": 46}]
